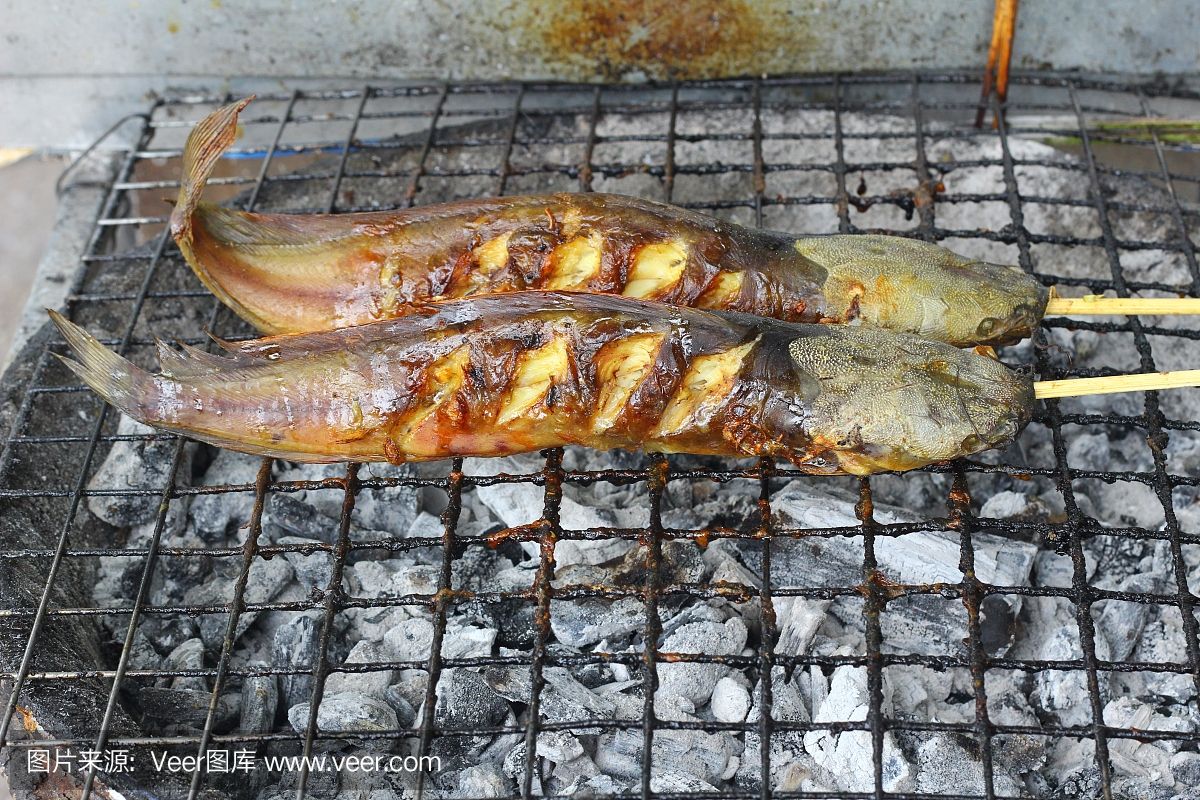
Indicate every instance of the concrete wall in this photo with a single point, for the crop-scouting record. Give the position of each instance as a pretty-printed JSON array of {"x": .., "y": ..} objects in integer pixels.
[{"x": 69, "y": 68}]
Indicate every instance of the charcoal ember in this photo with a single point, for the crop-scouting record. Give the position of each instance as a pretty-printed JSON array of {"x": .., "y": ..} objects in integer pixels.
[
  {"x": 693, "y": 680},
  {"x": 373, "y": 784},
  {"x": 594, "y": 676},
  {"x": 166, "y": 632},
  {"x": 791, "y": 767},
  {"x": 290, "y": 515},
  {"x": 730, "y": 701},
  {"x": 398, "y": 698},
  {"x": 345, "y": 712},
  {"x": 945, "y": 765},
  {"x": 465, "y": 701},
  {"x": 1149, "y": 760},
  {"x": 560, "y": 747},
  {"x": 517, "y": 504},
  {"x": 513, "y": 617},
  {"x": 1013, "y": 505},
  {"x": 567, "y": 776},
  {"x": 798, "y": 619},
  {"x": 513, "y": 766},
  {"x": 1129, "y": 788},
  {"x": 260, "y": 700},
  {"x": 313, "y": 567},
  {"x": 724, "y": 566},
  {"x": 1185, "y": 768},
  {"x": 1021, "y": 754},
  {"x": 675, "y": 782},
  {"x": 142, "y": 464},
  {"x": 295, "y": 648},
  {"x": 478, "y": 570},
  {"x": 563, "y": 698},
  {"x": 482, "y": 781},
  {"x": 215, "y": 517},
  {"x": 426, "y": 526},
  {"x": 389, "y": 510},
  {"x": 681, "y": 563},
  {"x": 183, "y": 710},
  {"x": 681, "y": 519},
  {"x": 410, "y": 640},
  {"x": 1064, "y": 694},
  {"x": 268, "y": 579},
  {"x": 1121, "y": 623},
  {"x": 1163, "y": 641},
  {"x": 840, "y": 755},
  {"x": 175, "y": 575},
  {"x": 371, "y": 623},
  {"x": 1114, "y": 502},
  {"x": 117, "y": 577},
  {"x": 142, "y": 654},
  {"x": 582, "y": 622},
  {"x": 1083, "y": 782},
  {"x": 920, "y": 693},
  {"x": 321, "y": 784},
  {"x": 410, "y": 685},
  {"x": 378, "y": 579},
  {"x": 675, "y": 755},
  {"x": 187, "y": 656},
  {"x": 921, "y": 624},
  {"x": 713, "y": 611},
  {"x": 374, "y": 682}
]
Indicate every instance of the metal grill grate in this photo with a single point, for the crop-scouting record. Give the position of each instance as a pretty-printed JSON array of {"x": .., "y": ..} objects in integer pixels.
[{"x": 516, "y": 147}]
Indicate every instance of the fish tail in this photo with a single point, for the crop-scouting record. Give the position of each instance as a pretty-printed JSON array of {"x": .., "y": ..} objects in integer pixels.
[
  {"x": 205, "y": 145},
  {"x": 116, "y": 379}
]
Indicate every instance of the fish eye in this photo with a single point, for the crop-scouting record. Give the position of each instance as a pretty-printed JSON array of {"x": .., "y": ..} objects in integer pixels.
[
  {"x": 987, "y": 327},
  {"x": 971, "y": 443}
]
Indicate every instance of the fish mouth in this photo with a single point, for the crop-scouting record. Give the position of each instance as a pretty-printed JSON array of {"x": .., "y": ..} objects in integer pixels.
[{"x": 1017, "y": 325}]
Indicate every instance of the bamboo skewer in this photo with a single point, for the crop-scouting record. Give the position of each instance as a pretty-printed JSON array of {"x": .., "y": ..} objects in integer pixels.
[
  {"x": 1111, "y": 384},
  {"x": 1094, "y": 304}
]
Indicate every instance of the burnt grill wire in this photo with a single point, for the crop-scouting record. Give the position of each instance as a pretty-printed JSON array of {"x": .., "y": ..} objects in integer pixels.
[{"x": 434, "y": 109}]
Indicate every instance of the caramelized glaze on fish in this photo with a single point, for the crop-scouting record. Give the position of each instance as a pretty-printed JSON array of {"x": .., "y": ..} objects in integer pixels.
[
  {"x": 513, "y": 373},
  {"x": 297, "y": 273}
]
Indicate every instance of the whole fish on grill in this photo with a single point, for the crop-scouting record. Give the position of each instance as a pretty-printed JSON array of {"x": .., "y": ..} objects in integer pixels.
[
  {"x": 291, "y": 273},
  {"x": 505, "y": 374}
]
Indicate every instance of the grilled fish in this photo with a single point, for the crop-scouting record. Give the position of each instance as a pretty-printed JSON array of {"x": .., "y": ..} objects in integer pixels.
[
  {"x": 298, "y": 273},
  {"x": 504, "y": 374}
]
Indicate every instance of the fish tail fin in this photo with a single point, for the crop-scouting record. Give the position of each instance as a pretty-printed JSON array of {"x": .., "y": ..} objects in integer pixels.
[
  {"x": 116, "y": 379},
  {"x": 205, "y": 145}
]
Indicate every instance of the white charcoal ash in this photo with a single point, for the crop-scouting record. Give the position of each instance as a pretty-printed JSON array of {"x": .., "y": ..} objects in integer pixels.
[
  {"x": 260, "y": 701},
  {"x": 216, "y": 516},
  {"x": 841, "y": 755},
  {"x": 692, "y": 680},
  {"x": 924, "y": 624},
  {"x": 141, "y": 464},
  {"x": 345, "y": 712},
  {"x": 388, "y": 510},
  {"x": 1152, "y": 759},
  {"x": 517, "y": 504}
]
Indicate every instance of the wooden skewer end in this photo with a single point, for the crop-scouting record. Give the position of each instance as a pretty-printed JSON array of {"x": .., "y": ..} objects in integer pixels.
[
  {"x": 1112, "y": 384},
  {"x": 1098, "y": 305}
]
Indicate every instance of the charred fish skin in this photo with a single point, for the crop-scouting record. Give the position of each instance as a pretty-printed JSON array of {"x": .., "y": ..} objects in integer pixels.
[
  {"x": 505, "y": 374},
  {"x": 299, "y": 273}
]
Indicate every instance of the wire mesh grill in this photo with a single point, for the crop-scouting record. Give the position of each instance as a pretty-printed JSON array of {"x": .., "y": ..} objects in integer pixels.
[{"x": 514, "y": 150}]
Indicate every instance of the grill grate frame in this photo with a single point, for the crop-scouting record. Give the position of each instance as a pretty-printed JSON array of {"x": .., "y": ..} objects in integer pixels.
[{"x": 437, "y": 107}]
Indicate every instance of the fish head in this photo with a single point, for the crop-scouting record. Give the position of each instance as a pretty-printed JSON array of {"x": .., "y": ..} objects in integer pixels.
[
  {"x": 863, "y": 401},
  {"x": 917, "y": 287}
]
